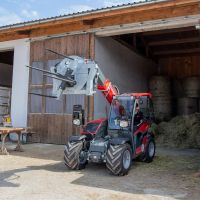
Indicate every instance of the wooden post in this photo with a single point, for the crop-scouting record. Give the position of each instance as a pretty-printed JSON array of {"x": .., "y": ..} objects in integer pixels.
[{"x": 90, "y": 99}]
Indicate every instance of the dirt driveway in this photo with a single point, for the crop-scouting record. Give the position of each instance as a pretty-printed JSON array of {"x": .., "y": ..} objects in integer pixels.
[{"x": 39, "y": 173}]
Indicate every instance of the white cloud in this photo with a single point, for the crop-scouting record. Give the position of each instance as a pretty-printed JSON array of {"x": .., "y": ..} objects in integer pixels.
[
  {"x": 24, "y": 8},
  {"x": 29, "y": 13},
  {"x": 75, "y": 8},
  {"x": 8, "y": 17}
]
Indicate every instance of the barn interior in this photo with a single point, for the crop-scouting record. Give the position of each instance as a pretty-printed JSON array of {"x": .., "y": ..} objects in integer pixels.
[
  {"x": 165, "y": 63},
  {"x": 6, "y": 73},
  {"x": 6, "y": 68}
]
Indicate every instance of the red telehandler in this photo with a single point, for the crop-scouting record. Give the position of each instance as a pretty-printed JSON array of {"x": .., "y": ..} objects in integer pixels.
[{"x": 116, "y": 141}]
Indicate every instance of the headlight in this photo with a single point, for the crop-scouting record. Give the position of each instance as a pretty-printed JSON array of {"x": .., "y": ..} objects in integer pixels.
[
  {"x": 77, "y": 122},
  {"x": 123, "y": 124}
]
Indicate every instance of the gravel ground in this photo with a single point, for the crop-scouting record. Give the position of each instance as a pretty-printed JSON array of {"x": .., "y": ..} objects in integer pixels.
[{"x": 39, "y": 173}]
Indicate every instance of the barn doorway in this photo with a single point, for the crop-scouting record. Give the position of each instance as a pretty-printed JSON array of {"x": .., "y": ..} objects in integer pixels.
[
  {"x": 6, "y": 74},
  {"x": 171, "y": 73}
]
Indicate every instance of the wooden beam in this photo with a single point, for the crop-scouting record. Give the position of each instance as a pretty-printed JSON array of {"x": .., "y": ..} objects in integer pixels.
[
  {"x": 169, "y": 31},
  {"x": 135, "y": 14},
  {"x": 146, "y": 45},
  {"x": 181, "y": 51},
  {"x": 178, "y": 55},
  {"x": 90, "y": 99},
  {"x": 174, "y": 41},
  {"x": 24, "y": 32},
  {"x": 134, "y": 41},
  {"x": 135, "y": 17},
  {"x": 88, "y": 22},
  {"x": 46, "y": 86}
]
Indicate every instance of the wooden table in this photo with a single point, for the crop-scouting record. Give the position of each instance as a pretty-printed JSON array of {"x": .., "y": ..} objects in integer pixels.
[{"x": 4, "y": 131}]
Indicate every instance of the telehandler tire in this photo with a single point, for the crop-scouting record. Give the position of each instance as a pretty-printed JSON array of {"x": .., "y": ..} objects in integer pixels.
[
  {"x": 72, "y": 156},
  {"x": 149, "y": 153},
  {"x": 119, "y": 159}
]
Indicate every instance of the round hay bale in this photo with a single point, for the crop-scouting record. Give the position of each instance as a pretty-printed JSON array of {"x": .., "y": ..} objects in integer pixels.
[
  {"x": 160, "y": 86},
  {"x": 187, "y": 106},
  {"x": 162, "y": 108},
  {"x": 191, "y": 86}
]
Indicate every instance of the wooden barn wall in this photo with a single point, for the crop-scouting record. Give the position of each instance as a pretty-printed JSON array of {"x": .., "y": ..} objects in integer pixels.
[
  {"x": 51, "y": 119},
  {"x": 180, "y": 67}
]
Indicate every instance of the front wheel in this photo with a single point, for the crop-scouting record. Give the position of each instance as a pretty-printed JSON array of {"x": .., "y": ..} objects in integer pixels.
[
  {"x": 119, "y": 159},
  {"x": 73, "y": 156}
]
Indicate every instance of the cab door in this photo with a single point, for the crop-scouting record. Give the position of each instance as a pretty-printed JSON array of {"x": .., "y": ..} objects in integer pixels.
[{"x": 141, "y": 128}]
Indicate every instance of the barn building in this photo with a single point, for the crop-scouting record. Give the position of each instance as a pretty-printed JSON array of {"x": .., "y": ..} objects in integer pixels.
[{"x": 131, "y": 43}]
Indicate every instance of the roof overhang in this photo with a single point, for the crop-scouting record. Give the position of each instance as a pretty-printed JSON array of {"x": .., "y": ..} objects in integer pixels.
[
  {"x": 144, "y": 17},
  {"x": 79, "y": 14},
  {"x": 161, "y": 24}
]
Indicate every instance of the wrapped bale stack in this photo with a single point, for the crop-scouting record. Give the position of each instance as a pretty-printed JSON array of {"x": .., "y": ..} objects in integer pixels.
[
  {"x": 190, "y": 102},
  {"x": 183, "y": 131},
  {"x": 160, "y": 87}
]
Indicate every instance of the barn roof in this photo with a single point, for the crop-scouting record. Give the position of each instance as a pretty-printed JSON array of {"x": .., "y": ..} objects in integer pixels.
[
  {"x": 78, "y": 14},
  {"x": 104, "y": 19}
]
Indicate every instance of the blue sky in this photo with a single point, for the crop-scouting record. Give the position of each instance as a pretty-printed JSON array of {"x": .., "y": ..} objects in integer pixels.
[{"x": 14, "y": 11}]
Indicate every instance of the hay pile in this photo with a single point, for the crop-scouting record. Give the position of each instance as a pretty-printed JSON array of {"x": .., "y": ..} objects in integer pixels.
[{"x": 181, "y": 131}]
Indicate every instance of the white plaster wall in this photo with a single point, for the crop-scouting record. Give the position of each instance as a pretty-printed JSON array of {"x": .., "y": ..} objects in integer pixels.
[
  {"x": 126, "y": 69},
  {"x": 19, "y": 98}
]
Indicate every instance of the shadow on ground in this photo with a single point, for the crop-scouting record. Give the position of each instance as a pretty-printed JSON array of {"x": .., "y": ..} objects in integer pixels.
[
  {"x": 38, "y": 151},
  {"x": 170, "y": 175}
]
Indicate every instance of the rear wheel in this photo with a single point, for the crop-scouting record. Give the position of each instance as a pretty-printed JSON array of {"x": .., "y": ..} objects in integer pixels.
[
  {"x": 73, "y": 156},
  {"x": 119, "y": 159},
  {"x": 150, "y": 151}
]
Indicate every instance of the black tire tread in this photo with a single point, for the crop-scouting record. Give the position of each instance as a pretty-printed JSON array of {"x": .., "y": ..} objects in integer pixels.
[
  {"x": 145, "y": 157},
  {"x": 114, "y": 159},
  {"x": 149, "y": 159},
  {"x": 71, "y": 155}
]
